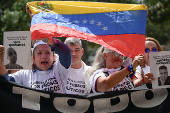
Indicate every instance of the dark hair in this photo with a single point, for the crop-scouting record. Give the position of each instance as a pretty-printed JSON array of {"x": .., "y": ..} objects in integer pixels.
[{"x": 162, "y": 67}]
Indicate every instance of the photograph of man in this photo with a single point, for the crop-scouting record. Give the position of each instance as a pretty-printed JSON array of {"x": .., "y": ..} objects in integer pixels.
[
  {"x": 164, "y": 79},
  {"x": 12, "y": 57}
]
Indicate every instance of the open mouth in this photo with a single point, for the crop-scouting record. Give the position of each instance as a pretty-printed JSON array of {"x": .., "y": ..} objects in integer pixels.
[{"x": 44, "y": 63}]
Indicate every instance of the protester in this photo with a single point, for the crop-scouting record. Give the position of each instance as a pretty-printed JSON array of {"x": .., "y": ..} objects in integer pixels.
[
  {"x": 77, "y": 82},
  {"x": 12, "y": 57},
  {"x": 46, "y": 74},
  {"x": 107, "y": 72},
  {"x": 143, "y": 72},
  {"x": 164, "y": 79}
]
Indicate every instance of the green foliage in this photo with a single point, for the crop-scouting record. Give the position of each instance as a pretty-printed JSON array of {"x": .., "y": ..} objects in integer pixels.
[
  {"x": 159, "y": 10},
  {"x": 159, "y": 31},
  {"x": 158, "y": 20},
  {"x": 13, "y": 16}
]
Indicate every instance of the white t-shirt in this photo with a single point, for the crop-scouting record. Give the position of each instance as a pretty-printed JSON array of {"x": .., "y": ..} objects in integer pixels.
[
  {"x": 53, "y": 80},
  {"x": 76, "y": 81},
  {"x": 146, "y": 69},
  {"x": 125, "y": 84}
]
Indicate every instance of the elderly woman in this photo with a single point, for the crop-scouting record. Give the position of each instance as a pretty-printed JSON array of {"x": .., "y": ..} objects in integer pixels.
[
  {"x": 107, "y": 72},
  {"x": 46, "y": 74},
  {"x": 143, "y": 72}
]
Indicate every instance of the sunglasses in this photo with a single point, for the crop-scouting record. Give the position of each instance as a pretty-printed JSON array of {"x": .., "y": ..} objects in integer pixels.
[
  {"x": 147, "y": 50},
  {"x": 116, "y": 54}
]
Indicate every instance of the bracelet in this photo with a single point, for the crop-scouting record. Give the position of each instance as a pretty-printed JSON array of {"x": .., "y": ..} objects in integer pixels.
[
  {"x": 130, "y": 68},
  {"x": 132, "y": 77},
  {"x": 131, "y": 72},
  {"x": 143, "y": 81}
]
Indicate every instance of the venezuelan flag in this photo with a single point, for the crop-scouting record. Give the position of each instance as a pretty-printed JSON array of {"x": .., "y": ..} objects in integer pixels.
[{"x": 120, "y": 27}]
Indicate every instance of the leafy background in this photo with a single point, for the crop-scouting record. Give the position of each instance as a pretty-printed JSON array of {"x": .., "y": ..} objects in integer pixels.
[{"x": 13, "y": 17}]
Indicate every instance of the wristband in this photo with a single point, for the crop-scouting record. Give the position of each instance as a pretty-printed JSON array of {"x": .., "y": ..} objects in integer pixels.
[
  {"x": 131, "y": 72},
  {"x": 132, "y": 77},
  {"x": 143, "y": 81},
  {"x": 130, "y": 68}
]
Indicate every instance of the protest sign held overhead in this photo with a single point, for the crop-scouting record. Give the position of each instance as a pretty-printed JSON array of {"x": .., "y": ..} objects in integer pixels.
[
  {"x": 120, "y": 27},
  {"x": 17, "y": 49},
  {"x": 160, "y": 68}
]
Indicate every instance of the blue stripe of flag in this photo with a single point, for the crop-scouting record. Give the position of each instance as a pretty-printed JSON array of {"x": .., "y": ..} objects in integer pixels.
[{"x": 112, "y": 23}]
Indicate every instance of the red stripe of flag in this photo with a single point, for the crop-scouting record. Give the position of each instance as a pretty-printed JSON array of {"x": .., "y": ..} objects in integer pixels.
[{"x": 126, "y": 44}]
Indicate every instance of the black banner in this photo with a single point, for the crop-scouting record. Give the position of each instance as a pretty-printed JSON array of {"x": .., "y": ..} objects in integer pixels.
[{"x": 20, "y": 99}]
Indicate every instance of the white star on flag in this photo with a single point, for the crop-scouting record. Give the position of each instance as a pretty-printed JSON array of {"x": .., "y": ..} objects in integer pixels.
[
  {"x": 76, "y": 22},
  {"x": 99, "y": 24},
  {"x": 84, "y": 21},
  {"x": 67, "y": 19},
  {"x": 104, "y": 28},
  {"x": 92, "y": 22}
]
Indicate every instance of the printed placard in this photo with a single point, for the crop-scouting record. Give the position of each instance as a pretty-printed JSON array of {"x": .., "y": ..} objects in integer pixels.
[
  {"x": 160, "y": 68},
  {"x": 17, "y": 50}
]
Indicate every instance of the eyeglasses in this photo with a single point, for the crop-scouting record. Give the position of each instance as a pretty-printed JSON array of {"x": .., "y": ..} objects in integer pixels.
[
  {"x": 147, "y": 50},
  {"x": 116, "y": 54}
]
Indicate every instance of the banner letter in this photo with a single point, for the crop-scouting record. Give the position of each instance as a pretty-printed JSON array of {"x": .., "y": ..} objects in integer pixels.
[
  {"x": 78, "y": 105},
  {"x": 30, "y": 98},
  {"x": 138, "y": 98},
  {"x": 104, "y": 105}
]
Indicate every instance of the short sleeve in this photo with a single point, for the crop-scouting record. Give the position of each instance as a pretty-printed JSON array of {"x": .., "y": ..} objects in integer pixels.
[{"x": 94, "y": 78}]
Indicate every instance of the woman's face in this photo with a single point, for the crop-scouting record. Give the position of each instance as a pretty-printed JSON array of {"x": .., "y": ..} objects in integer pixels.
[
  {"x": 112, "y": 61},
  {"x": 149, "y": 45},
  {"x": 43, "y": 57}
]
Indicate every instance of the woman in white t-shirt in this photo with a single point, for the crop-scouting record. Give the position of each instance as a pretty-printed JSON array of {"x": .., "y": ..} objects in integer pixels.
[
  {"x": 107, "y": 73},
  {"x": 143, "y": 72},
  {"x": 46, "y": 74}
]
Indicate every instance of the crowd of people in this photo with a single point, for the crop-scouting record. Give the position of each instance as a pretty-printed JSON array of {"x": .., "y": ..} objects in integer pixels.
[{"x": 69, "y": 74}]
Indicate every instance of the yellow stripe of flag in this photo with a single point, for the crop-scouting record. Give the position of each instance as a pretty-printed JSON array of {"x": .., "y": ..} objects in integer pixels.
[{"x": 72, "y": 7}]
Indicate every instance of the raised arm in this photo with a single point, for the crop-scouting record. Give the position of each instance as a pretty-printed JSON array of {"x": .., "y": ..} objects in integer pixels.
[
  {"x": 3, "y": 70},
  {"x": 64, "y": 53},
  {"x": 61, "y": 49},
  {"x": 106, "y": 83}
]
